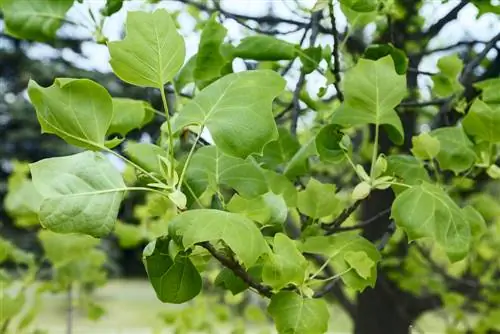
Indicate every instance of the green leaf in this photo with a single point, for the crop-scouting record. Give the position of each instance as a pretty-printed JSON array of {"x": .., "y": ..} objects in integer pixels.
[
  {"x": 229, "y": 281},
  {"x": 342, "y": 252},
  {"x": 294, "y": 314},
  {"x": 457, "y": 151},
  {"x": 237, "y": 231},
  {"x": 35, "y": 20},
  {"x": 318, "y": 200},
  {"x": 186, "y": 74},
  {"x": 476, "y": 221},
  {"x": 146, "y": 155},
  {"x": 264, "y": 47},
  {"x": 358, "y": 19},
  {"x": 407, "y": 168},
  {"x": 129, "y": 236},
  {"x": 360, "y": 5},
  {"x": 210, "y": 168},
  {"x": 331, "y": 144},
  {"x": 286, "y": 265},
  {"x": 111, "y": 7},
  {"x": 277, "y": 206},
  {"x": 298, "y": 165},
  {"x": 320, "y": 5},
  {"x": 152, "y": 51},
  {"x": 23, "y": 201},
  {"x": 173, "y": 281},
  {"x": 129, "y": 114},
  {"x": 248, "y": 95},
  {"x": 372, "y": 90},
  {"x": 361, "y": 191},
  {"x": 81, "y": 193},
  {"x": 281, "y": 185},
  {"x": 77, "y": 110},
  {"x": 377, "y": 51},
  {"x": 483, "y": 121},
  {"x": 310, "y": 58},
  {"x": 490, "y": 90},
  {"x": 209, "y": 60},
  {"x": 256, "y": 208},
  {"x": 425, "y": 147},
  {"x": 279, "y": 152},
  {"x": 447, "y": 81},
  {"x": 61, "y": 249},
  {"x": 427, "y": 211}
]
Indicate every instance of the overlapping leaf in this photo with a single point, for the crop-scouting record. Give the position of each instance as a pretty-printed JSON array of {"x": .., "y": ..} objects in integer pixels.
[
  {"x": 152, "y": 51},
  {"x": 81, "y": 193},
  {"x": 483, "y": 121},
  {"x": 372, "y": 90},
  {"x": 129, "y": 114},
  {"x": 456, "y": 150},
  {"x": 427, "y": 211},
  {"x": 237, "y": 110},
  {"x": 264, "y": 47},
  {"x": 318, "y": 200}
]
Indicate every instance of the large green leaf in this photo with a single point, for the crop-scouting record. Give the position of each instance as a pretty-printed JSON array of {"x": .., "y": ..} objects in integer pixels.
[
  {"x": 294, "y": 314},
  {"x": 174, "y": 281},
  {"x": 286, "y": 265},
  {"x": 318, "y": 200},
  {"x": 146, "y": 155},
  {"x": 152, "y": 51},
  {"x": 230, "y": 104},
  {"x": 427, "y": 211},
  {"x": 372, "y": 90},
  {"x": 36, "y": 20},
  {"x": 81, "y": 193},
  {"x": 343, "y": 252},
  {"x": 447, "y": 81},
  {"x": 457, "y": 151},
  {"x": 237, "y": 231},
  {"x": 210, "y": 61},
  {"x": 483, "y": 121},
  {"x": 279, "y": 152},
  {"x": 264, "y": 47},
  {"x": 210, "y": 168},
  {"x": 408, "y": 168},
  {"x": 77, "y": 110},
  {"x": 255, "y": 208},
  {"x": 129, "y": 114}
]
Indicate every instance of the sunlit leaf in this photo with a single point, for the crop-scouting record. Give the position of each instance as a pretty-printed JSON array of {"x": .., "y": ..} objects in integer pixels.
[
  {"x": 129, "y": 114},
  {"x": 318, "y": 200},
  {"x": 483, "y": 121},
  {"x": 457, "y": 151},
  {"x": 425, "y": 146},
  {"x": 447, "y": 81}
]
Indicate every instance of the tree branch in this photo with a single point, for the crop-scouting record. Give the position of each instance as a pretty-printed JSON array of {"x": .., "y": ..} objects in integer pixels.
[
  {"x": 436, "y": 102},
  {"x": 469, "y": 68},
  {"x": 452, "y": 15},
  {"x": 238, "y": 270},
  {"x": 342, "y": 217},
  {"x": 335, "y": 53},
  {"x": 451, "y": 47},
  {"x": 360, "y": 225}
]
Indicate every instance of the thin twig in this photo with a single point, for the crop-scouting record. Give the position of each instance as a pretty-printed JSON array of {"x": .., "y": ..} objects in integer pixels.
[
  {"x": 436, "y": 102},
  {"x": 451, "y": 47},
  {"x": 360, "y": 225},
  {"x": 416, "y": 70},
  {"x": 342, "y": 217},
  {"x": 335, "y": 53},
  {"x": 452, "y": 15},
  {"x": 238, "y": 270},
  {"x": 469, "y": 68}
]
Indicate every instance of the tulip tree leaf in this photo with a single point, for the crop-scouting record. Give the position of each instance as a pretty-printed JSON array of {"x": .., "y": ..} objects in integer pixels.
[
  {"x": 360, "y": 5},
  {"x": 210, "y": 168},
  {"x": 483, "y": 121},
  {"x": 342, "y": 251},
  {"x": 264, "y": 47},
  {"x": 174, "y": 281},
  {"x": 229, "y": 105},
  {"x": 489, "y": 90},
  {"x": 294, "y": 314},
  {"x": 425, "y": 146},
  {"x": 408, "y": 168},
  {"x": 146, "y": 155},
  {"x": 372, "y": 90},
  {"x": 237, "y": 231},
  {"x": 377, "y": 51},
  {"x": 81, "y": 193},
  {"x": 331, "y": 145},
  {"x": 286, "y": 265},
  {"x": 447, "y": 81},
  {"x": 129, "y": 114},
  {"x": 77, "y": 110},
  {"x": 152, "y": 51},
  {"x": 35, "y": 20},
  {"x": 318, "y": 200},
  {"x": 255, "y": 208},
  {"x": 457, "y": 151},
  {"x": 427, "y": 211},
  {"x": 279, "y": 152}
]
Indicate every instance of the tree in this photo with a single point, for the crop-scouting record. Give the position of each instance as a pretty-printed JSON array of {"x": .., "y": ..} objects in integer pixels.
[{"x": 358, "y": 204}]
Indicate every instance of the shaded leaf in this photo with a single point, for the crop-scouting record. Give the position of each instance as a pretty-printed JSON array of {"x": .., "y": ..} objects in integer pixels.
[
  {"x": 425, "y": 146},
  {"x": 457, "y": 151},
  {"x": 407, "y": 168},
  {"x": 264, "y": 47},
  {"x": 146, "y": 155},
  {"x": 332, "y": 145},
  {"x": 129, "y": 114},
  {"x": 483, "y": 121},
  {"x": 377, "y": 51}
]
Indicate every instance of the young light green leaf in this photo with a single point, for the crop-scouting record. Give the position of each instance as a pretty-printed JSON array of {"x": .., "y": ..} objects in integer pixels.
[
  {"x": 339, "y": 249},
  {"x": 281, "y": 185},
  {"x": 493, "y": 172},
  {"x": 372, "y": 90},
  {"x": 129, "y": 236},
  {"x": 277, "y": 206},
  {"x": 146, "y": 156},
  {"x": 173, "y": 281},
  {"x": 264, "y": 47},
  {"x": 35, "y": 20},
  {"x": 129, "y": 114},
  {"x": 286, "y": 265},
  {"x": 456, "y": 150},
  {"x": 294, "y": 314},
  {"x": 380, "y": 166},
  {"x": 22, "y": 202},
  {"x": 255, "y": 208},
  {"x": 361, "y": 191},
  {"x": 425, "y": 146},
  {"x": 377, "y": 51},
  {"x": 318, "y": 200},
  {"x": 209, "y": 60},
  {"x": 483, "y": 121},
  {"x": 447, "y": 81},
  {"x": 408, "y": 168},
  {"x": 320, "y": 5},
  {"x": 331, "y": 144},
  {"x": 360, "y": 5},
  {"x": 209, "y": 167},
  {"x": 476, "y": 221},
  {"x": 427, "y": 211},
  {"x": 237, "y": 231},
  {"x": 490, "y": 89},
  {"x": 81, "y": 193},
  {"x": 152, "y": 51},
  {"x": 77, "y": 110},
  {"x": 227, "y": 106}
]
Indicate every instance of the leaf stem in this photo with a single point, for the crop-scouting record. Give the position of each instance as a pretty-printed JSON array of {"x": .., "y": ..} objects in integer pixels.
[
  {"x": 188, "y": 159},
  {"x": 330, "y": 278},
  {"x": 375, "y": 151},
  {"x": 169, "y": 131}
]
